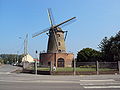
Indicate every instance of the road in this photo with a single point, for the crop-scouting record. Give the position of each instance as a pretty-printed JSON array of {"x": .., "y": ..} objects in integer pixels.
[
  {"x": 4, "y": 69},
  {"x": 13, "y": 81}
]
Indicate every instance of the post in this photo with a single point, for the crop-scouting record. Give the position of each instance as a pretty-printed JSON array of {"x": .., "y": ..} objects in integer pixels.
[
  {"x": 40, "y": 59},
  {"x": 51, "y": 66},
  {"x": 119, "y": 67},
  {"x": 55, "y": 60},
  {"x": 36, "y": 63},
  {"x": 74, "y": 68},
  {"x": 17, "y": 58},
  {"x": 97, "y": 67}
]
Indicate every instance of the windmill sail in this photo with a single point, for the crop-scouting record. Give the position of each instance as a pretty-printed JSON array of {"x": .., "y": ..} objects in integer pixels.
[
  {"x": 64, "y": 22},
  {"x": 50, "y": 17},
  {"x": 40, "y": 32}
]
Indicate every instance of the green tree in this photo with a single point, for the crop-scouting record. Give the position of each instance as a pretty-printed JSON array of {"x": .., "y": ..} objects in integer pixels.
[
  {"x": 11, "y": 58},
  {"x": 110, "y": 48},
  {"x": 1, "y": 61},
  {"x": 88, "y": 55}
]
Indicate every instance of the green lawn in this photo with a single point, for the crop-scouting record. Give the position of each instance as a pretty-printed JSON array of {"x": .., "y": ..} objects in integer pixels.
[
  {"x": 106, "y": 69},
  {"x": 44, "y": 69},
  {"x": 71, "y": 69},
  {"x": 77, "y": 69}
]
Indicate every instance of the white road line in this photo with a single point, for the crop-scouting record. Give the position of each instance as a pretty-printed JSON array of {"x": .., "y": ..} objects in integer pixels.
[
  {"x": 91, "y": 84},
  {"x": 5, "y": 73},
  {"x": 97, "y": 80},
  {"x": 101, "y": 86},
  {"x": 40, "y": 81}
]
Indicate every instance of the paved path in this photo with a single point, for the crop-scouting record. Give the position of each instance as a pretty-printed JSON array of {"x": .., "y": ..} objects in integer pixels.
[
  {"x": 12, "y": 81},
  {"x": 8, "y": 68}
]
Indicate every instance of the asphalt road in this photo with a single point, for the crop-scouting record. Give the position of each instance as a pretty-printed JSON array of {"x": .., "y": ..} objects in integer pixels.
[
  {"x": 12, "y": 81},
  {"x": 5, "y": 69}
]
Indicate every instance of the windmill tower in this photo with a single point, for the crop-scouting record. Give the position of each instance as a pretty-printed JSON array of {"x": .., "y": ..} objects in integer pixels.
[{"x": 56, "y": 41}]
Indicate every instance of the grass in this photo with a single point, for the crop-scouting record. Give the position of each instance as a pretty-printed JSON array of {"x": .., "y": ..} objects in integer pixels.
[
  {"x": 77, "y": 69},
  {"x": 71, "y": 69},
  {"x": 44, "y": 69},
  {"x": 39, "y": 68},
  {"x": 106, "y": 69}
]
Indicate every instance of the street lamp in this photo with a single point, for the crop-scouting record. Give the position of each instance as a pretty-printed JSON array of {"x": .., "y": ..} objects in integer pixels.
[{"x": 25, "y": 50}]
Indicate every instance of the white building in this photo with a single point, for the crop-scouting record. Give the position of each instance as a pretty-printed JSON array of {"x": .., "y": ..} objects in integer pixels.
[{"x": 28, "y": 58}]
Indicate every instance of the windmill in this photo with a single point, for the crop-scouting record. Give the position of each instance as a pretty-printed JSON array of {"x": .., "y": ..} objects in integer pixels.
[{"x": 56, "y": 41}]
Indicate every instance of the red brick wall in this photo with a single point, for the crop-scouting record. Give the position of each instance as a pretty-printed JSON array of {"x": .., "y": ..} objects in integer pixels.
[{"x": 48, "y": 57}]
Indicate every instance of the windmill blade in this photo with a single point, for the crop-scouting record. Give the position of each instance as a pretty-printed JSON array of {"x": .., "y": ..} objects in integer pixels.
[
  {"x": 67, "y": 23},
  {"x": 50, "y": 16},
  {"x": 40, "y": 32},
  {"x": 64, "y": 22}
]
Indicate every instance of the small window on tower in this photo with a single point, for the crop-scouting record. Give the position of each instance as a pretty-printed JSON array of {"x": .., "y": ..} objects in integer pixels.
[
  {"x": 59, "y": 43},
  {"x": 58, "y": 35},
  {"x": 59, "y": 50}
]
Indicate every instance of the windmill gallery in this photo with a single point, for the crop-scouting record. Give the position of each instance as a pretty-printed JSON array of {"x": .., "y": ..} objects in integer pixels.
[{"x": 56, "y": 54}]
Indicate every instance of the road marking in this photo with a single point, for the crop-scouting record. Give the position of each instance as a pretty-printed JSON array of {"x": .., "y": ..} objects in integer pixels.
[
  {"x": 97, "y": 80},
  {"x": 91, "y": 84},
  {"x": 101, "y": 86},
  {"x": 5, "y": 73},
  {"x": 40, "y": 81}
]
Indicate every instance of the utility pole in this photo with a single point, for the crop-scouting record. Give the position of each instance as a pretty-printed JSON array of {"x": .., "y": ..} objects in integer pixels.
[
  {"x": 25, "y": 50},
  {"x": 24, "y": 56}
]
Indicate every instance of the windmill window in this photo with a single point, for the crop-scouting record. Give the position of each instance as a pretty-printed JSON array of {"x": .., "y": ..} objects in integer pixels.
[
  {"x": 59, "y": 43},
  {"x": 59, "y": 50},
  {"x": 58, "y": 35}
]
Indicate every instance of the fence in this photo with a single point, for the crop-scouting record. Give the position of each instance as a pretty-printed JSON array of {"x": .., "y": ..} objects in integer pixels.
[
  {"x": 110, "y": 65},
  {"x": 80, "y": 68},
  {"x": 100, "y": 67}
]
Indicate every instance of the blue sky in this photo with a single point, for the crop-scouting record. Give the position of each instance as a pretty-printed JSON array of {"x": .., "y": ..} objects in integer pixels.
[{"x": 95, "y": 20}]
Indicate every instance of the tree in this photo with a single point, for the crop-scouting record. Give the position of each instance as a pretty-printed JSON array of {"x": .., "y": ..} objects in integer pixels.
[
  {"x": 88, "y": 55},
  {"x": 110, "y": 48},
  {"x": 11, "y": 58},
  {"x": 1, "y": 61}
]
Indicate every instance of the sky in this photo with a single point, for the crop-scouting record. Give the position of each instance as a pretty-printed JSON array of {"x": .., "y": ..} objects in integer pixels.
[{"x": 96, "y": 19}]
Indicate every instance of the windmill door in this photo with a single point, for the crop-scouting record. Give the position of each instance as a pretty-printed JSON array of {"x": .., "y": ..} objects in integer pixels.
[{"x": 60, "y": 62}]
